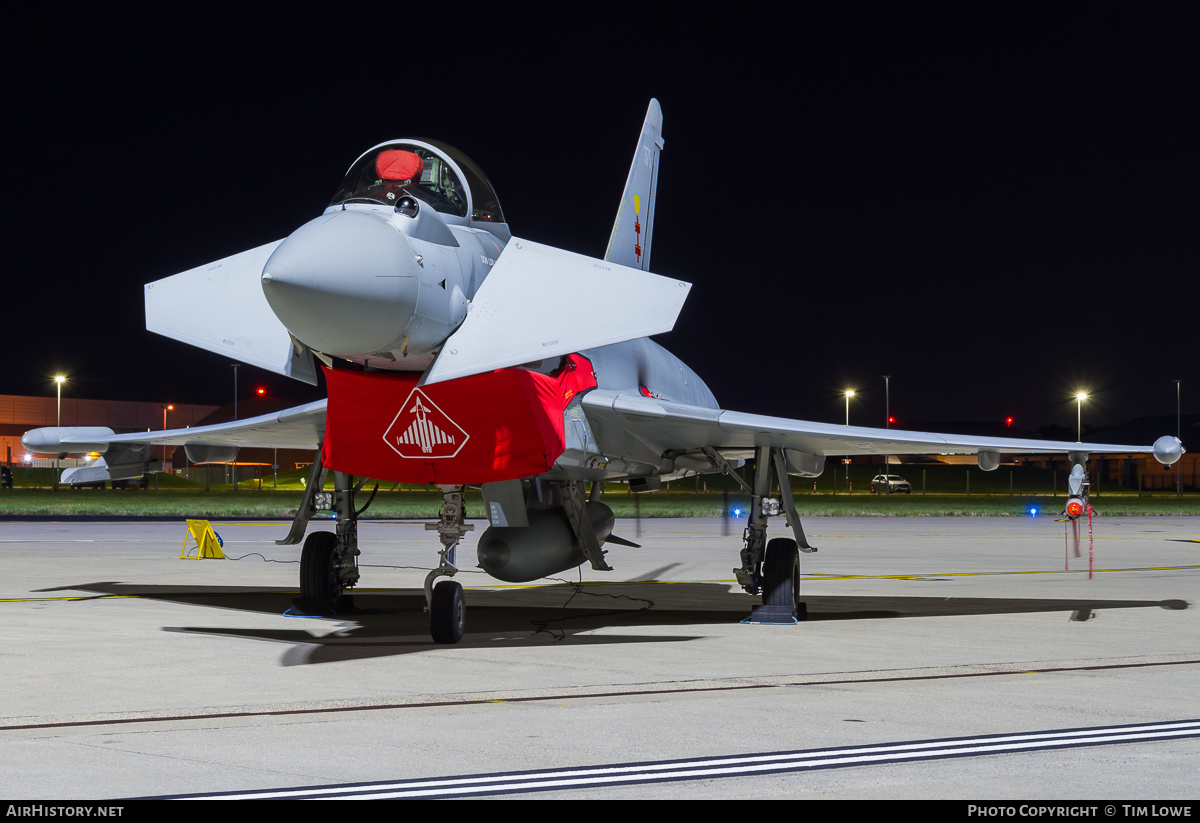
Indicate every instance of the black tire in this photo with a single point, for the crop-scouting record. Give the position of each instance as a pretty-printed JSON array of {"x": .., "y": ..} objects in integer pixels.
[
  {"x": 781, "y": 574},
  {"x": 447, "y": 613},
  {"x": 319, "y": 565}
]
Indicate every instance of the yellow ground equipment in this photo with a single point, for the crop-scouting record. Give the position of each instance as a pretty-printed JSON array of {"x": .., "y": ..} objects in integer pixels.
[{"x": 208, "y": 544}]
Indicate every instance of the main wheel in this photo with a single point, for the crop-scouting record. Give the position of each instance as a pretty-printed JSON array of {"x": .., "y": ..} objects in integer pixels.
[
  {"x": 319, "y": 566},
  {"x": 781, "y": 575},
  {"x": 447, "y": 613}
]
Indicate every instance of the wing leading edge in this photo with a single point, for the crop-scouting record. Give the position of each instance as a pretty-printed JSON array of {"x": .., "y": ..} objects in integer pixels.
[
  {"x": 660, "y": 427},
  {"x": 664, "y": 426},
  {"x": 125, "y": 456},
  {"x": 300, "y": 427}
]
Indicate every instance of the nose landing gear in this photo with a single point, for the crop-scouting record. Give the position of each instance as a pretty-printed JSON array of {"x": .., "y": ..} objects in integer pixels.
[
  {"x": 444, "y": 602},
  {"x": 329, "y": 561}
]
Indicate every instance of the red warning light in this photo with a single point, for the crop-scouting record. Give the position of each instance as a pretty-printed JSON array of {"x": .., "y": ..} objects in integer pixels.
[
  {"x": 891, "y": 420},
  {"x": 1008, "y": 422},
  {"x": 262, "y": 392}
]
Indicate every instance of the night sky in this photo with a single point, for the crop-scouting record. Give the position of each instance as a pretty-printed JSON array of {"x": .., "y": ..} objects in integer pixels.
[{"x": 996, "y": 208}]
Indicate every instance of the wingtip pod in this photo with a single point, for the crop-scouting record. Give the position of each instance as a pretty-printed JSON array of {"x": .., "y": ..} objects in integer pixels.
[
  {"x": 66, "y": 439},
  {"x": 1168, "y": 449}
]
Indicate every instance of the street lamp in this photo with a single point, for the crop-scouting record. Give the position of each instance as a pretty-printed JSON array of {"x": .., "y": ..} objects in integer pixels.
[
  {"x": 887, "y": 423},
  {"x": 166, "y": 409},
  {"x": 849, "y": 394},
  {"x": 236, "y": 366},
  {"x": 887, "y": 401},
  {"x": 1079, "y": 398},
  {"x": 59, "y": 380},
  {"x": 1179, "y": 435}
]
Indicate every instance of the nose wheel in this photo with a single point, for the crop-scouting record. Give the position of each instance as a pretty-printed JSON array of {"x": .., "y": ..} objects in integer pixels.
[
  {"x": 447, "y": 613},
  {"x": 447, "y": 609}
]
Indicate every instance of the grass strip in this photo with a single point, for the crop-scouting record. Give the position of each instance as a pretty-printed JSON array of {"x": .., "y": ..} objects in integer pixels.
[{"x": 420, "y": 503}]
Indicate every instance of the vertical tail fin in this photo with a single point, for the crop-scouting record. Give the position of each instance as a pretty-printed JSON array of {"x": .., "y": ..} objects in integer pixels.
[{"x": 629, "y": 243}]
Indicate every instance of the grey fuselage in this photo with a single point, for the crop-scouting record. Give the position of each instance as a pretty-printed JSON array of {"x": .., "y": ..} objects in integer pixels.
[{"x": 390, "y": 269}]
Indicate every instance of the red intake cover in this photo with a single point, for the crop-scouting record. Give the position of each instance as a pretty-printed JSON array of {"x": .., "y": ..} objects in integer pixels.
[{"x": 502, "y": 425}]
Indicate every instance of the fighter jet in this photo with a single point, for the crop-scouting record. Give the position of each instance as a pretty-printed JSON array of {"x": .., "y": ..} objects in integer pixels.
[{"x": 459, "y": 355}]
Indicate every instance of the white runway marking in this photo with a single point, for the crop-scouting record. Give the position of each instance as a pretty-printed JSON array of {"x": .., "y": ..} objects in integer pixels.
[{"x": 734, "y": 766}]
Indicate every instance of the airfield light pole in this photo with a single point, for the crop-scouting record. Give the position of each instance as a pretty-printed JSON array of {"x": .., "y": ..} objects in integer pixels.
[
  {"x": 58, "y": 381},
  {"x": 1178, "y": 435},
  {"x": 1079, "y": 398},
  {"x": 887, "y": 401},
  {"x": 849, "y": 394},
  {"x": 166, "y": 409},
  {"x": 235, "y": 368},
  {"x": 887, "y": 424}
]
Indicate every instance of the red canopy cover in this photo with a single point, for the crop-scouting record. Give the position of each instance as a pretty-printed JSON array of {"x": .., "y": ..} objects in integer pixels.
[
  {"x": 397, "y": 164},
  {"x": 502, "y": 425}
]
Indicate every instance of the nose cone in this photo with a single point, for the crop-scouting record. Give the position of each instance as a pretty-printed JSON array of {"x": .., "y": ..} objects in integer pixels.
[{"x": 345, "y": 283}]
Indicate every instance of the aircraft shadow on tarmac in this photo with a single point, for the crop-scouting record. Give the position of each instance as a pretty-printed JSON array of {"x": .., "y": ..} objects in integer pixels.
[{"x": 384, "y": 623}]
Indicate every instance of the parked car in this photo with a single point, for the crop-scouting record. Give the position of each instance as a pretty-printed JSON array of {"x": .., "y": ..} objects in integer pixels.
[{"x": 881, "y": 483}]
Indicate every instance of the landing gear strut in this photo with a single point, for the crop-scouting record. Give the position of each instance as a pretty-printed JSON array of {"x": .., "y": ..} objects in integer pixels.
[
  {"x": 329, "y": 560},
  {"x": 771, "y": 569}
]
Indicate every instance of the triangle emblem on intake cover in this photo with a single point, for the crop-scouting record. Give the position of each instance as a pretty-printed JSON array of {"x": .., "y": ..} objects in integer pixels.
[{"x": 422, "y": 431}]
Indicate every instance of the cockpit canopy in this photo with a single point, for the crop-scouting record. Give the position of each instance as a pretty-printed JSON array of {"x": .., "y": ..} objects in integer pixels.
[{"x": 433, "y": 172}]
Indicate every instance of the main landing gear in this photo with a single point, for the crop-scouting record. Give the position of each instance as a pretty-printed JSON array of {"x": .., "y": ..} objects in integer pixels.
[
  {"x": 770, "y": 569},
  {"x": 320, "y": 568},
  {"x": 781, "y": 583},
  {"x": 329, "y": 560}
]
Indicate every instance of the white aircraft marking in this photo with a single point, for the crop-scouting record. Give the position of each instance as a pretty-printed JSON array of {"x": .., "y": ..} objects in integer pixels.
[{"x": 734, "y": 766}]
